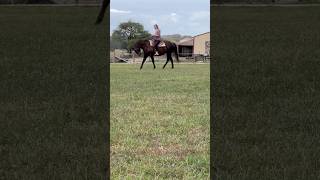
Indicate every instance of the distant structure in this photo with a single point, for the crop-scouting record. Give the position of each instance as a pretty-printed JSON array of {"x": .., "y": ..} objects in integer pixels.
[
  {"x": 185, "y": 47},
  {"x": 198, "y": 45},
  {"x": 201, "y": 44}
]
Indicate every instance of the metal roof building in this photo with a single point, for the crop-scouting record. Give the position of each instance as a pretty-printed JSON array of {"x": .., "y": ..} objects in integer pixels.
[{"x": 197, "y": 45}]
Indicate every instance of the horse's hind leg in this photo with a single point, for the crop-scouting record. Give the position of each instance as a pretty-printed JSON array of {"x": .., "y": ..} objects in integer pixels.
[
  {"x": 166, "y": 63},
  {"x": 170, "y": 57},
  {"x": 154, "y": 66}
]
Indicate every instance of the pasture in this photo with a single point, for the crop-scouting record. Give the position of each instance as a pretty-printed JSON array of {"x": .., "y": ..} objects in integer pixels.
[
  {"x": 159, "y": 121},
  {"x": 265, "y": 81}
]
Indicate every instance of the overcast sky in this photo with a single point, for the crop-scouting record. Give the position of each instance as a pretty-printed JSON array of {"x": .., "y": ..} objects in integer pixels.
[{"x": 185, "y": 17}]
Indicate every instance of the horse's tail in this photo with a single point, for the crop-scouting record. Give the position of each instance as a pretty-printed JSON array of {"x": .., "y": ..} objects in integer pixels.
[{"x": 176, "y": 51}]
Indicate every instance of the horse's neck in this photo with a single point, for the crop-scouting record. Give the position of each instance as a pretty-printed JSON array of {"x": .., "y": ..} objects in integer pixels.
[{"x": 141, "y": 44}]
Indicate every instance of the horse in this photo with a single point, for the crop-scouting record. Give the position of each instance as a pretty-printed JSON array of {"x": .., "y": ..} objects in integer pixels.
[
  {"x": 102, "y": 11},
  {"x": 164, "y": 47}
]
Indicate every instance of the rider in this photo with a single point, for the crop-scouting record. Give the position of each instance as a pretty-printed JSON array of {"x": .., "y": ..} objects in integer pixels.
[{"x": 156, "y": 37}]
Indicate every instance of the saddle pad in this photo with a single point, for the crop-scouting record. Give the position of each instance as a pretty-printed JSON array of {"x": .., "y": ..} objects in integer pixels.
[{"x": 161, "y": 44}]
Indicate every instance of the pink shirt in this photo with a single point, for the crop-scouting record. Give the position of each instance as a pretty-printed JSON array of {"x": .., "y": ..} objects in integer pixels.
[{"x": 157, "y": 32}]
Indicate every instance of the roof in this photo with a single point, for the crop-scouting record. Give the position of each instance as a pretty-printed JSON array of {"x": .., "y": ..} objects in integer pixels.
[
  {"x": 186, "y": 42},
  {"x": 201, "y": 34}
]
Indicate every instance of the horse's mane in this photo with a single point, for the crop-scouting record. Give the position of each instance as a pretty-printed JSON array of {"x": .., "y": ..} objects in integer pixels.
[{"x": 141, "y": 42}]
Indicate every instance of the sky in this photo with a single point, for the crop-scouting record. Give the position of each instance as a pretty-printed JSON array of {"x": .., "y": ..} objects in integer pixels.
[{"x": 185, "y": 17}]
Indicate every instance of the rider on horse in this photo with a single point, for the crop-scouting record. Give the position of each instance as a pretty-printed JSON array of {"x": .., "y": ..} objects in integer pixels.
[{"x": 156, "y": 37}]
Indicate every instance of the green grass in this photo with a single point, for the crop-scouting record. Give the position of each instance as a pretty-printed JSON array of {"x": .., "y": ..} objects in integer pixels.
[
  {"x": 265, "y": 82},
  {"x": 52, "y": 93},
  {"x": 159, "y": 121}
]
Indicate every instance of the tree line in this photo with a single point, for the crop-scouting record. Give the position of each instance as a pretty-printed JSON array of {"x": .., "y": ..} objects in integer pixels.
[{"x": 127, "y": 34}]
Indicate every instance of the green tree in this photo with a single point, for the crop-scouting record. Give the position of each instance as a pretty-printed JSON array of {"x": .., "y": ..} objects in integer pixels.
[{"x": 127, "y": 34}]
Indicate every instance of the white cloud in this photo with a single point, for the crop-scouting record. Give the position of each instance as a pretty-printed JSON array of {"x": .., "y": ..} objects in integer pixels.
[
  {"x": 119, "y": 11},
  {"x": 163, "y": 20},
  {"x": 173, "y": 17},
  {"x": 200, "y": 15}
]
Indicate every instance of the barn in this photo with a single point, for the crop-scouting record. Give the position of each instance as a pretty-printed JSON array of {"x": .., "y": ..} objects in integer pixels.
[
  {"x": 185, "y": 47},
  {"x": 201, "y": 44},
  {"x": 195, "y": 46}
]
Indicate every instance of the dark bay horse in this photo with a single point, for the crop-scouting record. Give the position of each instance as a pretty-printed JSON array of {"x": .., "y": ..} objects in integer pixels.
[{"x": 149, "y": 50}]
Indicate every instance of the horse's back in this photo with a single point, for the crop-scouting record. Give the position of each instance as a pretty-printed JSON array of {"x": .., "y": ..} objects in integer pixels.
[{"x": 170, "y": 45}]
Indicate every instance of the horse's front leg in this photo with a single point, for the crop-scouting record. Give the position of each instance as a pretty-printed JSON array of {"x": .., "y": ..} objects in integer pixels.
[
  {"x": 154, "y": 66},
  {"x": 144, "y": 59},
  {"x": 166, "y": 62}
]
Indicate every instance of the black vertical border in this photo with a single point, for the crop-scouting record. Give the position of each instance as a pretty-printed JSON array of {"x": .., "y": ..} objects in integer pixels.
[
  {"x": 212, "y": 169},
  {"x": 108, "y": 93},
  {"x": 291, "y": 105},
  {"x": 35, "y": 166}
]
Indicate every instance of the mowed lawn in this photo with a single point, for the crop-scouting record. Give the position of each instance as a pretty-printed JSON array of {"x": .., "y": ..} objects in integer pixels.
[
  {"x": 266, "y": 82},
  {"x": 160, "y": 121}
]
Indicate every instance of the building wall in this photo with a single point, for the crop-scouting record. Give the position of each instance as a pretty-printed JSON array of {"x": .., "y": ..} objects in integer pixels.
[{"x": 201, "y": 44}]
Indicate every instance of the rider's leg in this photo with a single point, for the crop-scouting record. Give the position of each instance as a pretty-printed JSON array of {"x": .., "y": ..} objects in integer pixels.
[{"x": 156, "y": 46}]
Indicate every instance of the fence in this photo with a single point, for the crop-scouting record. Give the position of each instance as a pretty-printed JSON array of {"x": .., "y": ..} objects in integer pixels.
[{"x": 195, "y": 57}]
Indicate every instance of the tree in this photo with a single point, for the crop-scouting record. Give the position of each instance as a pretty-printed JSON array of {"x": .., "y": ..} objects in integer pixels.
[
  {"x": 115, "y": 45},
  {"x": 128, "y": 33}
]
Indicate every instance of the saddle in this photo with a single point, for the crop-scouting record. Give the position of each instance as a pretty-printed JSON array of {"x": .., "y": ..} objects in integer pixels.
[{"x": 161, "y": 43}]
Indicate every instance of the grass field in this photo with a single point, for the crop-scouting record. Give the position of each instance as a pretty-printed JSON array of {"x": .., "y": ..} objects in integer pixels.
[
  {"x": 53, "y": 80},
  {"x": 160, "y": 121},
  {"x": 265, "y": 81}
]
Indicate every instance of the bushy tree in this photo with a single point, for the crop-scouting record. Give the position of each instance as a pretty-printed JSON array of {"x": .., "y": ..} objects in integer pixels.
[{"x": 128, "y": 33}]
